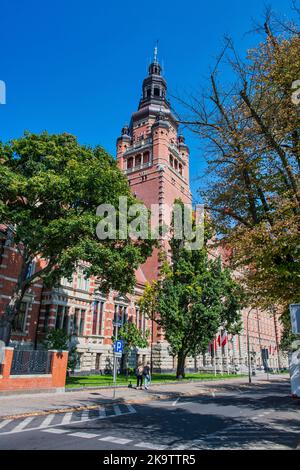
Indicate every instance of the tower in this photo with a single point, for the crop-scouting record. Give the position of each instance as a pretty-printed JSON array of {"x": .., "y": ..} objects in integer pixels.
[
  {"x": 155, "y": 159},
  {"x": 153, "y": 155}
]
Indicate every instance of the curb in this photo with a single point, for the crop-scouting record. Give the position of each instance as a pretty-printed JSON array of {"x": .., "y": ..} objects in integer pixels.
[
  {"x": 151, "y": 397},
  {"x": 80, "y": 408}
]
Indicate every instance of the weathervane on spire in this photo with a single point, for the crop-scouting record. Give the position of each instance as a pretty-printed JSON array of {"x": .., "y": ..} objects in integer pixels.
[{"x": 155, "y": 52}]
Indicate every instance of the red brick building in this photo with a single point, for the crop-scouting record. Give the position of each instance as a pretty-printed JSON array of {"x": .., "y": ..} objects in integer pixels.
[{"x": 155, "y": 159}]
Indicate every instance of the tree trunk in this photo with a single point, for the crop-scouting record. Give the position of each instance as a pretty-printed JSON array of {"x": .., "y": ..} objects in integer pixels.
[
  {"x": 180, "y": 374},
  {"x": 6, "y": 320},
  {"x": 12, "y": 308}
]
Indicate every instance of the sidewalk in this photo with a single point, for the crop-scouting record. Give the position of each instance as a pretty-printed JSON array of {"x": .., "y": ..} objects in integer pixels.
[{"x": 45, "y": 403}]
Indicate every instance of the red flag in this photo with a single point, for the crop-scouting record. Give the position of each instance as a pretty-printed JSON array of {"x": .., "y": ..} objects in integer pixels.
[{"x": 224, "y": 338}]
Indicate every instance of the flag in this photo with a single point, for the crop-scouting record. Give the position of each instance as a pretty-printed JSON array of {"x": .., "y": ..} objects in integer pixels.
[{"x": 222, "y": 338}]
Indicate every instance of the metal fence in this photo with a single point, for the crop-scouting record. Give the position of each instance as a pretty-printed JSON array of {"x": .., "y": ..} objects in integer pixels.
[{"x": 31, "y": 362}]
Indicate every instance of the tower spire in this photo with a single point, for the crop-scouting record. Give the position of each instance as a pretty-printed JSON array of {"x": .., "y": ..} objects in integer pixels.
[{"x": 155, "y": 52}]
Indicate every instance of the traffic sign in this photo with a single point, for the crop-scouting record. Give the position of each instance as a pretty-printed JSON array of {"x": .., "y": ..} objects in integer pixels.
[
  {"x": 295, "y": 318},
  {"x": 118, "y": 347},
  {"x": 118, "y": 354}
]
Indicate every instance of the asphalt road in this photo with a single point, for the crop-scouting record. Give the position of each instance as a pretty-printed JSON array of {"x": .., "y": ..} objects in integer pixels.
[{"x": 262, "y": 416}]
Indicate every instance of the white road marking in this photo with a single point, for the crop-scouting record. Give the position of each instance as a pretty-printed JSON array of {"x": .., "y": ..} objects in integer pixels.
[
  {"x": 56, "y": 430},
  {"x": 115, "y": 440},
  {"x": 5, "y": 422},
  {"x": 67, "y": 418},
  {"x": 175, "y": 402},
  {"x": 147, "y": 445},
  {"x": 213, "y": 394},
  {"x": 131, "y": 409},
  {"x": 85, "y": 435},
  {"x": 47, "y": 421},
  {"x": 23, "y": 424}
]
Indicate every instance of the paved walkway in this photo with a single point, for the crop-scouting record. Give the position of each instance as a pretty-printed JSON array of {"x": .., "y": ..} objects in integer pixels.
[{"x": 44, "y": 403}]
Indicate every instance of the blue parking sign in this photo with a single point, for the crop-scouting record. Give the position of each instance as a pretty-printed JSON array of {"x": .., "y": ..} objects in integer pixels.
[{"x": 118, "y": 346}]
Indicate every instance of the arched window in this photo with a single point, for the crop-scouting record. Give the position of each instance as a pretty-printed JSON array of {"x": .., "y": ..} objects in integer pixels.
[
  {"x": 180, "y": 168},
  {"x": 175, "y": 164},
  {"x": 138, "y": 160},
  {"x": 171, "y": 159},
  {"x": 129, "y": 163}
]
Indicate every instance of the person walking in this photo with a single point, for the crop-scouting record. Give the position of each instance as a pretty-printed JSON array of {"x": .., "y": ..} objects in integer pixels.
[
  {"x": 139, "y": 376},
  {"x": 147, "y": 376}
]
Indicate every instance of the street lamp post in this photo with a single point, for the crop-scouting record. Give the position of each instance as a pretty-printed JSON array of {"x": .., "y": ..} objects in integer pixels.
[
  {"x": 248, "y": 347},
  {"x": 116, "y": 325},
  {"x": 151, "y": 347}
]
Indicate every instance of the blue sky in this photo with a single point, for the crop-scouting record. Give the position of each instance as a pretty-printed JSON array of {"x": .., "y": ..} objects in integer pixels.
[{"x": 78, "y": 66}]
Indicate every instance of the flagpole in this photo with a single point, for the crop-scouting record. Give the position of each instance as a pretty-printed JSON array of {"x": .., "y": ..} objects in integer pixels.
[
  {"x": 214, "y": 349},
  {"x": 221, "y": 348},
  {"x": 227, "y": 353}
]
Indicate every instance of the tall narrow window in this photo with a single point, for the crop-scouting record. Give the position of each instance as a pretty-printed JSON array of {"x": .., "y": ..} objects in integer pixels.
[
  {"x": 98, "y": 309},
  {"x": 121, "y": 315},
  {"x": 62, "y": 318},
  {"x": 66, "y": 320},
  {"x": 19, "y": 322},
  {"x": 138, "y": 160},
  {"x": 79, "y": 321},
  {"x": 47, "y": 315},
  {"x": 59, "y": 317},
  {"x": 129, "y": 163},
  {"x": 146, "y": 157}
]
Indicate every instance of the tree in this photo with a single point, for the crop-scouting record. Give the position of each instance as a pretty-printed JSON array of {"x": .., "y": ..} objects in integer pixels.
[
  {"x": 133, "y": 338},
  {"x": 50, "y": 188},
  {"x": 193, "y": 298},
  {"x": 56, "y": 339},
  {"x": 250, "y": 130},
  {"x": 61, "y": 341}
]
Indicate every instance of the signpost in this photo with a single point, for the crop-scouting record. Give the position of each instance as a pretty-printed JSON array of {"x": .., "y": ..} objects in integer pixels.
[
  {"x": 118, "y": 350},
  {"x": 295, "y": 318},
  {"x": 294, "y": 356}
]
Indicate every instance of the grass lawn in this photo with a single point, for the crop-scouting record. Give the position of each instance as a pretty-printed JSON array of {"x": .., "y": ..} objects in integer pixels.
[{"x": 107, "y": 380}]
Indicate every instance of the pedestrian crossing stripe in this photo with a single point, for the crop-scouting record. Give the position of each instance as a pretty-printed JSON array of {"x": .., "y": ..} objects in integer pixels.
[{"x": 11, "y": 426}]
